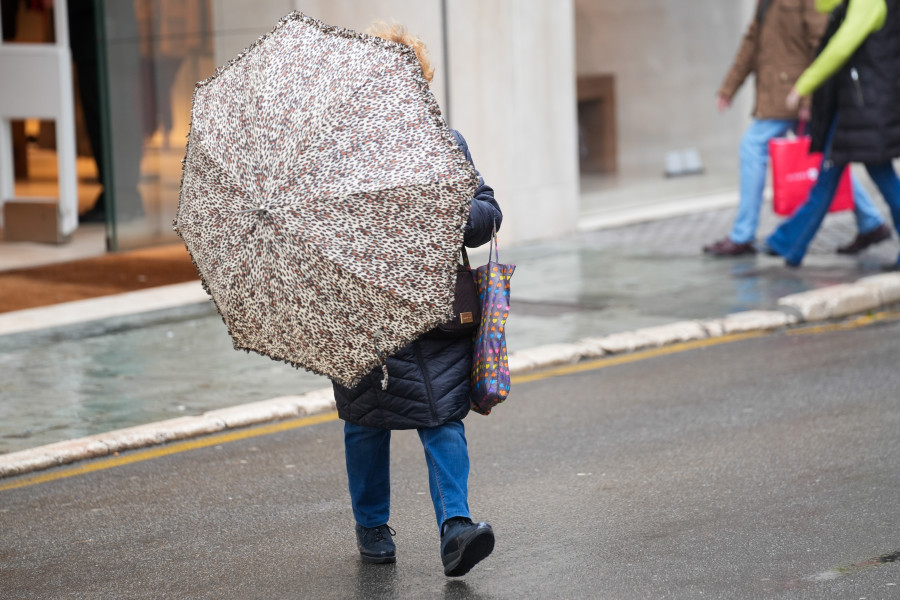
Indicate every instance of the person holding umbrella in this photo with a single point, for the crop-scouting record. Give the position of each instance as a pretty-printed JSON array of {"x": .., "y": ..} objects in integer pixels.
[
  {"x": 325, "y": 203},
  {"x": 428, "y": 391}
]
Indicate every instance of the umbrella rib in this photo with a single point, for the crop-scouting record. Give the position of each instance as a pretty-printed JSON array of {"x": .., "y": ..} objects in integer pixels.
[
  {"x": 403, "y": 186},
  {"x": 314, "y": 135}
]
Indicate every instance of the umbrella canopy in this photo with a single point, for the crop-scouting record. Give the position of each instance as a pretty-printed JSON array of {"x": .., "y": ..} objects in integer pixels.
[{"x": 324, "y": 199}]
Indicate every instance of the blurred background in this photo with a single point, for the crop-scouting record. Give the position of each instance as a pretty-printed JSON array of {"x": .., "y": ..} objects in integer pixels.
[{"x": 576, "y": 111}]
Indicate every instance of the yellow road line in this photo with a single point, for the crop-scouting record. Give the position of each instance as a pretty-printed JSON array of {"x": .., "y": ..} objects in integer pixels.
[
  {"x": 855, "y": 323},
  {"x": 601, "y": 363},
  {"x": 174, "y": 448}
]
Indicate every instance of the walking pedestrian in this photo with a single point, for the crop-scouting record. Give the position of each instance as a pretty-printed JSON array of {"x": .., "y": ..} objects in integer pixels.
[
  {"x": 780, "y": 42},
  {"x": 428, "y": 391},
  {"x": 856, "y": 116}
]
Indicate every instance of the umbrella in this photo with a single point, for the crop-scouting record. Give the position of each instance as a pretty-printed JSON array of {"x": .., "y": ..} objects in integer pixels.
[{"x": 323, "y": 198}]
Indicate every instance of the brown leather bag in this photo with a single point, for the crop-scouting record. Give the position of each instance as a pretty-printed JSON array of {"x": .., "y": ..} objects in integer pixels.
[{"x": 466, "y": 307}]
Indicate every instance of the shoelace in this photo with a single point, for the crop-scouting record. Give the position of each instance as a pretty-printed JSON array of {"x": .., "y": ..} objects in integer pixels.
[
  {"x": 449, "y": 522},
  {"x": 378, "y": 532}
]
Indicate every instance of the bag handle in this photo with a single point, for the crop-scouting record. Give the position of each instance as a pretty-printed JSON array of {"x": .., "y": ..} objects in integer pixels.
[
  {"x": 495, "y": 245},
  {"x": 494, "y": 250}
]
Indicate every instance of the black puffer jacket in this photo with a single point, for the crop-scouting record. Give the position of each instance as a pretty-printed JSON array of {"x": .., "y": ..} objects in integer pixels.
[
  {"x": 866, "y": 95},
  {"x": 429, "y": 378}
]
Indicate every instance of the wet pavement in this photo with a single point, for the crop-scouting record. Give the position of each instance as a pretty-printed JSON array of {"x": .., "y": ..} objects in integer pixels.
[
  {"x": 676, "y": 476},
  {"x": 74, "y": 381}
]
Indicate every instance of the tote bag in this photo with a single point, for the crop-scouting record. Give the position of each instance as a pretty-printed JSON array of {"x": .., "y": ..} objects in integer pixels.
[
  {"x": 490, "y": 381},
  {"x": 795, "y": 170}
]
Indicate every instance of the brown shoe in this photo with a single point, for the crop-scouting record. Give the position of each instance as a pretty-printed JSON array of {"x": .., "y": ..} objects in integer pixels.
[
  {"x": 725, "y": 247},
  {"x": 864, "y": 240}
]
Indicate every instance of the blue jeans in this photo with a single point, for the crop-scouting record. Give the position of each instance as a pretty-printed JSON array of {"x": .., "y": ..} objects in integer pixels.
[
  {"x": 754, "y": 156},
  {"x": 792, "y": 238},
  {"x": 368, "y": 471}
]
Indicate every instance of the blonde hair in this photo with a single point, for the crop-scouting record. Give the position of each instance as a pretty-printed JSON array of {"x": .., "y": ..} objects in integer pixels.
[{"x": 398, "y": 33}]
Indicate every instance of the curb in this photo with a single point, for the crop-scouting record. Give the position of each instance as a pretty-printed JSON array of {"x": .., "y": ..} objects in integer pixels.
[
  {"x": 834, "y": 302},
  {"x": 162, "y": 432},
  {"x": 104, "y": 307}
]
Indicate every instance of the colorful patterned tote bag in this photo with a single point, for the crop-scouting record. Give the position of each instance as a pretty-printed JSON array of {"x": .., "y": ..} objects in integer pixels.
[{"x": 490, "y": 366}]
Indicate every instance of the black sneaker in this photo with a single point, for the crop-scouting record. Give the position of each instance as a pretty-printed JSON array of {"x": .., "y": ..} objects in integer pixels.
[
  {"x": 864, "y": 240},
  {"x": 375, "y": 544},
  {"x": 464, "y": 544}
]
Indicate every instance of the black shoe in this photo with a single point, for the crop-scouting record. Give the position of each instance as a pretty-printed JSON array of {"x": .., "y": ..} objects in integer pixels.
[
  {"x": 864, "y": 240},
  {"x": 725, "y": 247},
  {"x": 375, "y": 544},
  {"x": 464, "y": 544},
  {"x": 773, "y": 252}
]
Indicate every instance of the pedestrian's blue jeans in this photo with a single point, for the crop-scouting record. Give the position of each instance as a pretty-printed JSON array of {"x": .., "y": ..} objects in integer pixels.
[
  {"x": 754, "y": 157},
  {"x": 368, "y": 471},
  {"x": 792, "y": 238}
]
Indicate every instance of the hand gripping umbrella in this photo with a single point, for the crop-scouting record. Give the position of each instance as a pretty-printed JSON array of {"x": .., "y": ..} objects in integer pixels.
[{"x": 323, "y": 198}]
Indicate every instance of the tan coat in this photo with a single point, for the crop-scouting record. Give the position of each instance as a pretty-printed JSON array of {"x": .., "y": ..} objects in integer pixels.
[{"x": 777, "y": 53}]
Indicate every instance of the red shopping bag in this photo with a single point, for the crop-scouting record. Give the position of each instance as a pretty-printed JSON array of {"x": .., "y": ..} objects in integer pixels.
[{"x": 794, "y": 171}]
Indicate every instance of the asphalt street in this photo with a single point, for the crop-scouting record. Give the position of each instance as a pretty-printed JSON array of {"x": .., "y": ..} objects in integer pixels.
[{"x": 763, "y": 467}]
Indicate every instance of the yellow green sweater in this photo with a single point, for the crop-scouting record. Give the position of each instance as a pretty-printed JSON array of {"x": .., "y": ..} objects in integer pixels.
[{"x": 864, "y": 17}]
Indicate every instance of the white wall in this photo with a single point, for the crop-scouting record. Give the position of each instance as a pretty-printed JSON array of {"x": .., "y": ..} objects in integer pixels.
[
  {"x": 669, "y": 58},
  {"x": 513, "y": 97}
]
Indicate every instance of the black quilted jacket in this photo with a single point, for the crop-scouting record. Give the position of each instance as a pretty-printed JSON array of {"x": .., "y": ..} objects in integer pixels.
[
  {"x": 428, "y": 382},
  {"x": 865, "y": 95}
]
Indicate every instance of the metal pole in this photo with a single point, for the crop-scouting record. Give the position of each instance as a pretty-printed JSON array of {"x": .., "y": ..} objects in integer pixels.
[{"x": 446, "y": 50}]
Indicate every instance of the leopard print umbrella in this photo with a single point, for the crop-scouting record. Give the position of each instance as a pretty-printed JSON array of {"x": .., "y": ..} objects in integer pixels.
[{"x": 323, "y": 198}]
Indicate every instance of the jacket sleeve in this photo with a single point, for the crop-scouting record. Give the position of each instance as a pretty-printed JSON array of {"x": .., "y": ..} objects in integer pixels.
[
  {"x": 864, "y": 17},
  {"x": 485, "y": 213},
  {"x": 743, "y": 64}
]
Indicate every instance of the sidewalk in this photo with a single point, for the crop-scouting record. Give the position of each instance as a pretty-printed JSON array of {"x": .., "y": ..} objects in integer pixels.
[{"x": 165, "y": 354}]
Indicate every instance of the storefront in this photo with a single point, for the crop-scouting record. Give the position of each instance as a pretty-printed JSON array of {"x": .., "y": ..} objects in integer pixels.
[{"x": 133, "y": 65}]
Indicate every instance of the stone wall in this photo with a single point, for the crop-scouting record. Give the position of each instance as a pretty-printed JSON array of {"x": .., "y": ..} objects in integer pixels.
[{"x": 668, "y": 58}]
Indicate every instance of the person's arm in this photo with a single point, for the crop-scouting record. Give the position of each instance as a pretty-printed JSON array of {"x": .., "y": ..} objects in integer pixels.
[
  {"x": 740, "y": 68},
  {"x": 485, "y": 213},
  {"x": 864, "y": 17},
  {"x": 826, "y": 6}
]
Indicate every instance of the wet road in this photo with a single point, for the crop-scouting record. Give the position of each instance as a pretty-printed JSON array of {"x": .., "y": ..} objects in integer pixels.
[{"x": 762, "y": 468}]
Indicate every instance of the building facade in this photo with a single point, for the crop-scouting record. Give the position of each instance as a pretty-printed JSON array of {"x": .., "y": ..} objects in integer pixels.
[{"x": 570, "y": 107}]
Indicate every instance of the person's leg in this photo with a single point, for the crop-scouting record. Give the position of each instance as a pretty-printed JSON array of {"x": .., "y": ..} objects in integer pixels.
[
  {"x": 447, "y": 455},
  {"x": 463, "y": 543},
  {"x": 367, "y": 451},
  {"x": 754, "y": 157},
  {"x": 888, "y": 184},
  {"x": 868, "y": 218},
  {"x": 869, "y": 222},
  {"x": 793, "y": 236}
]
